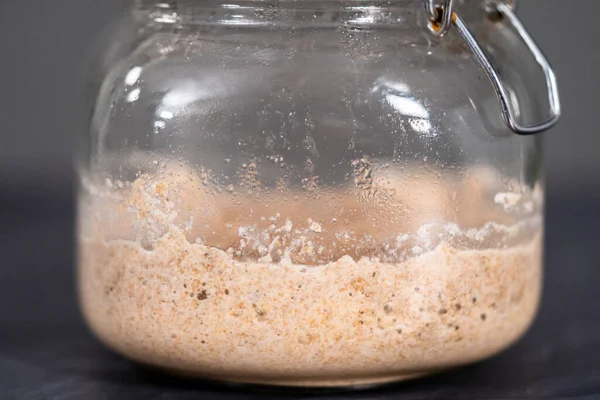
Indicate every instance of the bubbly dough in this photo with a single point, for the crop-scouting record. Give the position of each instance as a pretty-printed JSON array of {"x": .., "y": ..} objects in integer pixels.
[{"x": 391, "y": 278}]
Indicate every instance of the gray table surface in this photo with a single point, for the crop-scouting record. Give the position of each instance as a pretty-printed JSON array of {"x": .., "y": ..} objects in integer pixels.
[{"x": 46, "y": 351}]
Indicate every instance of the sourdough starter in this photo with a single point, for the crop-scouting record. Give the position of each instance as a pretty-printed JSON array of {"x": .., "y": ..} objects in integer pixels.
[{"x": 281, "y": 292}]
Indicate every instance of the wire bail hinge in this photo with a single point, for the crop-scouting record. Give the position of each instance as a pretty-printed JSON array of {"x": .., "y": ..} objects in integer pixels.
[{"x": 441, "y": 18}]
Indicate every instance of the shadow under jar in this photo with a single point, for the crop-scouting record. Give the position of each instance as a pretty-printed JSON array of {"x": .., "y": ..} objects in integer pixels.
[{"x": 312, "y": 193}]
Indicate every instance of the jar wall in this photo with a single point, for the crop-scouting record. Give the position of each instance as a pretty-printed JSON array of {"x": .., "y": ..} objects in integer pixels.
[{"x": 293, "y": 184}]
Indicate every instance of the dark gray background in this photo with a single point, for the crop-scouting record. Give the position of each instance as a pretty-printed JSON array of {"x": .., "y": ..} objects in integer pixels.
[{"x": 43, "y": 45}]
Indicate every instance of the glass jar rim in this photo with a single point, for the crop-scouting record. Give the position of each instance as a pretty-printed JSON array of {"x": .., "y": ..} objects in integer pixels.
[{"x": 284, "y": 13}]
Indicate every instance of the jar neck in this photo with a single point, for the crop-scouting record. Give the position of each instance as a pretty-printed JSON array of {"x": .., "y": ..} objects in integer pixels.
[{"x": 290, "y": 13}]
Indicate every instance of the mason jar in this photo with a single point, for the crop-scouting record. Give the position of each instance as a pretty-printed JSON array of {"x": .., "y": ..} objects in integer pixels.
[{"x": 313, "y": 193}]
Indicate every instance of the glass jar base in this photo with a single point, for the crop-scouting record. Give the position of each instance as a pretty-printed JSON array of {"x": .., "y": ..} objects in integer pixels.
[{"x": 262, "y": 383}]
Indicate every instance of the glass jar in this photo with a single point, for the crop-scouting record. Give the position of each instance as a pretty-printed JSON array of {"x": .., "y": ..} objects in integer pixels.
[{"x": 313, "y": 193}]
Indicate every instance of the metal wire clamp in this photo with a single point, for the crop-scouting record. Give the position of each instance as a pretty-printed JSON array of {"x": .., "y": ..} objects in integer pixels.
[{"x": 442, "y": 17}]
